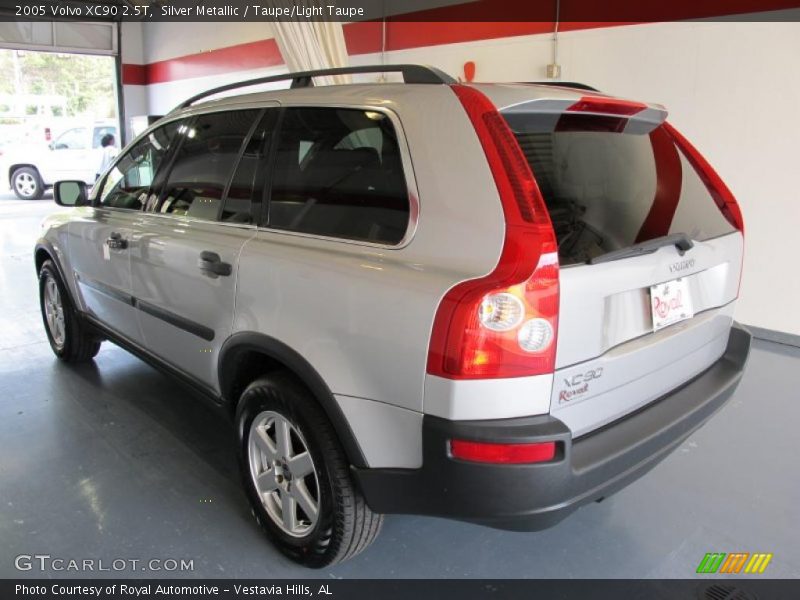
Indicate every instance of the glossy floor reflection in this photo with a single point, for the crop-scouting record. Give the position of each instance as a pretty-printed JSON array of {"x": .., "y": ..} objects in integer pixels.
[{"x": 116, "y": 461}]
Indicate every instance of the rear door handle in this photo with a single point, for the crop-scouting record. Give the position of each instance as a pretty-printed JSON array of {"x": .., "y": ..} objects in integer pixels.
[
  {"x": 211, "y": 263},
  {"x": 115, "y": 241}
]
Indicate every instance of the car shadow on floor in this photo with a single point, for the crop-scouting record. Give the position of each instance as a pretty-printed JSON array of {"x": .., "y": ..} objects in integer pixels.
[{"x": 118, "y": 385}]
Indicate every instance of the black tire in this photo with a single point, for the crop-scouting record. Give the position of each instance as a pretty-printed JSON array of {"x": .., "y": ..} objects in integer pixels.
[
  {"x": 27, "y": 184},
  {"x": 345, "y": 525},
  {"x": 76, "y": 344}
]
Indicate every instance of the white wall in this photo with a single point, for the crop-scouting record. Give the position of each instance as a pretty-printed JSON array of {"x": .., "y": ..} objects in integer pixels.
[
  {"x": 134, "y": 97},
  {"x": 732, "y": 88}
]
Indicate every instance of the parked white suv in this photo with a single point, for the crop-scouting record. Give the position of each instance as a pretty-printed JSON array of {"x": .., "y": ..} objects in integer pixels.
[
  {"x": 76, "y": 154},
  {"x": 492, "y": 303}
]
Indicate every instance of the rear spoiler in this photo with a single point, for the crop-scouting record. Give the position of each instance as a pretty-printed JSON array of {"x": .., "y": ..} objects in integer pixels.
[{"x": 615, "y": 114}]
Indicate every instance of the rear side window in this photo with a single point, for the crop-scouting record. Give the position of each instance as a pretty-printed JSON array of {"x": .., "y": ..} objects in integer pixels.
[
  {"x": 338, "y": 173},
  {"x": 607, "y": 190},
  {"x": 204, "y": 163}
]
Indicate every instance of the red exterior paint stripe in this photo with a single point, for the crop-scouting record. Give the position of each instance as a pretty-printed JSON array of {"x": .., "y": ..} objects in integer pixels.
[
  {"x": 134, "y": 74},
  {"x": 669, "y": 177}
]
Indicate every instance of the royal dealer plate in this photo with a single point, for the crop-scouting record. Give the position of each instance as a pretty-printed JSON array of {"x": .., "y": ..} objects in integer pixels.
[{"x": 670, "y": 302}]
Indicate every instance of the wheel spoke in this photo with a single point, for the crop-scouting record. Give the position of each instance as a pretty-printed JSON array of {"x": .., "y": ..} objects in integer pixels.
[
  {"x": 265, "y": 482},
  {"x": 288, "y": 511},
  {"x": 301, "y": 465},
  {"x": 283, "y": 438},
  {"x": 302, "y": 496},
  {"x": 262, "y": 441}
]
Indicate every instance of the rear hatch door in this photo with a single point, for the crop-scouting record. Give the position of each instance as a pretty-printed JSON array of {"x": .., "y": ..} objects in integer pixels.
[{"x": 650, "y": 265}]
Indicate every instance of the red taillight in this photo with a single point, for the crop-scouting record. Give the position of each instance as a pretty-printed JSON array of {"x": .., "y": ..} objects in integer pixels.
[
  {"x": 607, "y": 106},
  {"x": 462, "y": 345},
  {"x": 505, "y": 454},
  {"x": 716, "y": 187}
]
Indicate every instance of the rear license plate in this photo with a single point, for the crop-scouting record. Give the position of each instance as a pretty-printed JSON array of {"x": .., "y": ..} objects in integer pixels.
[{"x": 670, "y": 302}]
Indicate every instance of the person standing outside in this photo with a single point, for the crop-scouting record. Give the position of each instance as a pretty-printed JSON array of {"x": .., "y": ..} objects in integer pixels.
[{"x": 108, "y": 145}]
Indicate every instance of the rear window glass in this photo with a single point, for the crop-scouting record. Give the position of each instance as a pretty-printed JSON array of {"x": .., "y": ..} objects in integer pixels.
[
  {"x": 606, "y": 190},
  {"x": 338, "y": 173}
]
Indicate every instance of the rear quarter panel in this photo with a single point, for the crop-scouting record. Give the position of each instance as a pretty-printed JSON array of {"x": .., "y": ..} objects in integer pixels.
[{"x": 361, "y": 314}]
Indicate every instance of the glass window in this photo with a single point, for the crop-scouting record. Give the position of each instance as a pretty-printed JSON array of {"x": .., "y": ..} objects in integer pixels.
[
  {"x": 204, "y": 163},
  {"x": 72, "y": 139},
  {"x": 129, "y": 181},
  {"x": 244, "y": 194},
  {"x": 338, "y": 173},
  {"x": 607, "y": 190}
]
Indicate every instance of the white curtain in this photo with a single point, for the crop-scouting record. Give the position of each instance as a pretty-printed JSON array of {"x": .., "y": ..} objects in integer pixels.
[{"x": 309, "y": 45}]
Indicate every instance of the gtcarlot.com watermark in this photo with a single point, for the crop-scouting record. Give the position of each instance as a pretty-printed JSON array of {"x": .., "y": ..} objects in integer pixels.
[{"x": 46, "y": 562}]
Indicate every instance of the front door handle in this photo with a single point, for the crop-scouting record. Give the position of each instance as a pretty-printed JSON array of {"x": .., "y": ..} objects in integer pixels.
[
  {"x": 211, "y": 263},
  {"x": 115, "y": 241}
]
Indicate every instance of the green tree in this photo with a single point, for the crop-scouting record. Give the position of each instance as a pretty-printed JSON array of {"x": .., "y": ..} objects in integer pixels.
[{"x": 87, "y": 82}]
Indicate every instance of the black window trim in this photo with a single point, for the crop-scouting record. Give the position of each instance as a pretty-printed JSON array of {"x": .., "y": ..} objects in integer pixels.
[{"x": 414, "y": 208}]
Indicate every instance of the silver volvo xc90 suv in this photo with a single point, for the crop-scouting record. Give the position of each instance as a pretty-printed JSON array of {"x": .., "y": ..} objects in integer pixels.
[{"x": 492, "y": 303}]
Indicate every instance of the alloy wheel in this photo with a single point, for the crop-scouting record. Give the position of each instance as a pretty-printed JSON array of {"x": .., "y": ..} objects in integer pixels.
[
  {"x": 54, "y": 312},
  {"x": 283, "y": 473}
]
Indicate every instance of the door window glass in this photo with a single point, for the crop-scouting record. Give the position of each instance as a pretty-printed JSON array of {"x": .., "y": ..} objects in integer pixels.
[
  {"x": 128, "y": 182},
  {"x": 204, "y": 163},
  {"x": 71, "y": 139},
  {"x": 100, "y": 132}
]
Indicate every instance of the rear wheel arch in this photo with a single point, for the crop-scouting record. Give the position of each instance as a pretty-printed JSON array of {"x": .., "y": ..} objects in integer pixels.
[{"x": 246, "y": 356}]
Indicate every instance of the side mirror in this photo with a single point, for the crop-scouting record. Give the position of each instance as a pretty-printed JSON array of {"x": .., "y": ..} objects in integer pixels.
[{"x": 69, "y": 193}]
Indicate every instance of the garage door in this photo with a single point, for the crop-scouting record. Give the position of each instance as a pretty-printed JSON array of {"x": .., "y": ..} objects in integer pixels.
[{"x": 60, "y": 36}]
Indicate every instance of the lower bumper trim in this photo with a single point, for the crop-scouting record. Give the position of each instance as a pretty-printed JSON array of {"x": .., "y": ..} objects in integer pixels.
[{"x": 536, "y": 496}]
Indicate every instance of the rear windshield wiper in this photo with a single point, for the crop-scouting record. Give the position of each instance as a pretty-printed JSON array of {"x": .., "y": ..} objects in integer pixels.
[{"x": 680, "y": 240}]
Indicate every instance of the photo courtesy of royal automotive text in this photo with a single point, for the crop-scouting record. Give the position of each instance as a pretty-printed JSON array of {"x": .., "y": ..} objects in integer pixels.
[{"x": 344, "y": 299}]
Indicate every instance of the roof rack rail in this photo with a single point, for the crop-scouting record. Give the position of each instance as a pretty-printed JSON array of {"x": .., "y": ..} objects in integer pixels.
[
  {"x": 411, "y": 74},
  {"x": 566, "y": 84}
]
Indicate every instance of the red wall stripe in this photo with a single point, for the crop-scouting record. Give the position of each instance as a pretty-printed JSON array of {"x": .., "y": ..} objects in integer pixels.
[
  {"x": 360, "y": 37},
  {"x": 134, "y": 74},
  {"x": 242, "y": 57},
  {"x": 365, "y": 37},
  {"x": 253, "y": 55}
]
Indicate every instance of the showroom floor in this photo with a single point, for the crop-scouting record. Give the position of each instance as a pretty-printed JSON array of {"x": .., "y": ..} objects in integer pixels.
[{"x": 113, "y": 460}]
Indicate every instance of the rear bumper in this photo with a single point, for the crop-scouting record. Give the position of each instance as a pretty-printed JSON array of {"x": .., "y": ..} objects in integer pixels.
[{"x": 536, "y": 496}]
